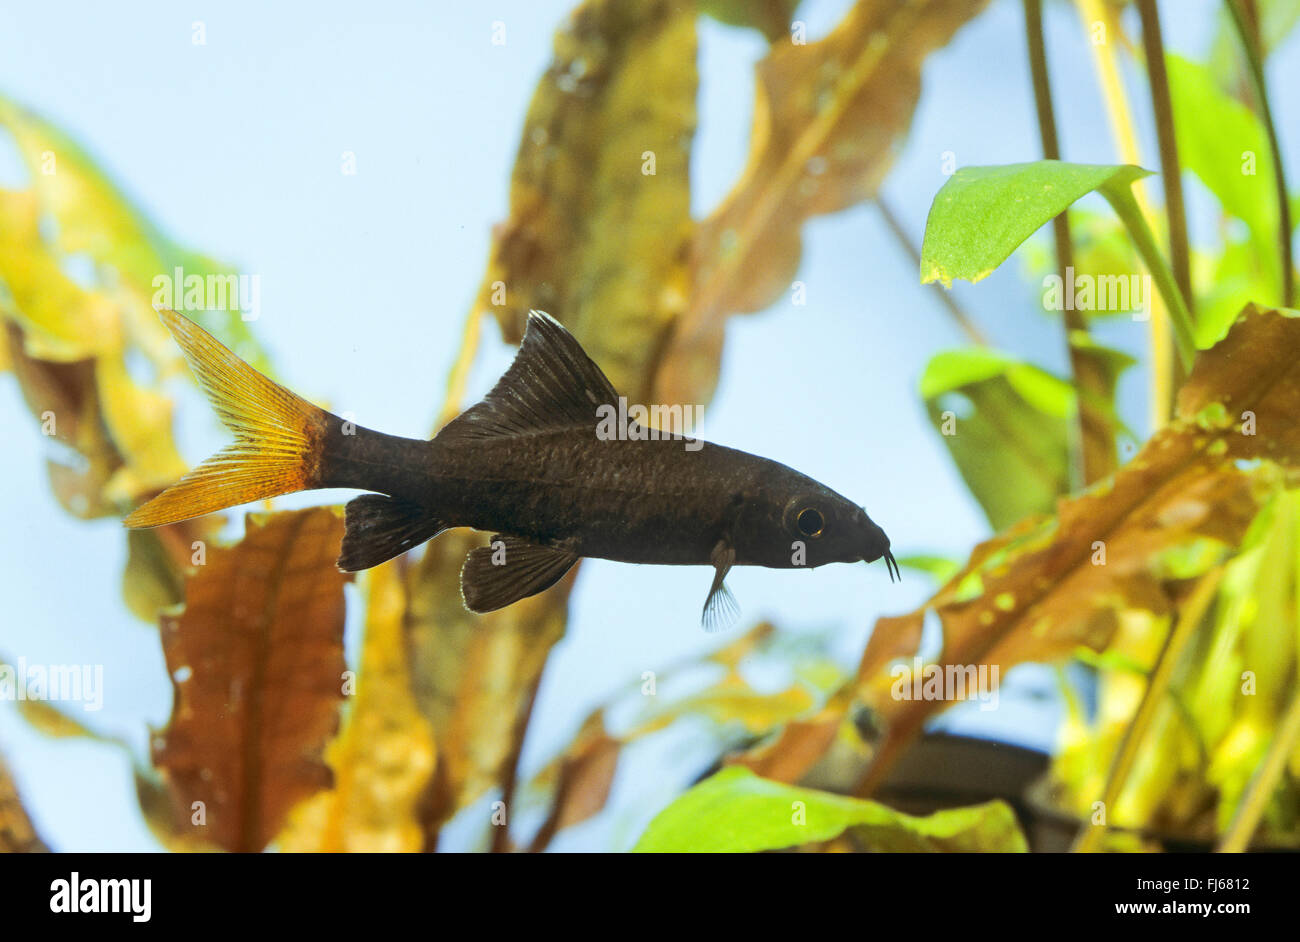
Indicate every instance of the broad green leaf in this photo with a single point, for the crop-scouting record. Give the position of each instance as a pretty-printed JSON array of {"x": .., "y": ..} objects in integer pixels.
[
  {"x": 1225, "y": 145},
  {"x": 1006, "y": 425},
  {"x": 735, "y": 811},
  {"x": 982, "y": 214}
]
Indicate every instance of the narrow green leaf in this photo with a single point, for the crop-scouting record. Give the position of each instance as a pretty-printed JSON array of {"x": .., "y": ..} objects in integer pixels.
[{"x": 735, "y": 811}]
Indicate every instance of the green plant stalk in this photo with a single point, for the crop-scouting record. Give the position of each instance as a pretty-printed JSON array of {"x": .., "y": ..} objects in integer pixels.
[
  {"x": 1170, "y": 168},
  {"x": 1251, "y": 48},
  {"x": 1093, "y": 451},
  {"x": 1126, "y": 207},
  {"x": 1252, "y": 806},
  {"x": 1188, "y": 621},
  {"x": 959, "y": 316}
]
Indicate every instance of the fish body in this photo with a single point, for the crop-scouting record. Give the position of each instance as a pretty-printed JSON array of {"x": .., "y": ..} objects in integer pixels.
[
  {"x": 630, "y": 501},
  {"x": 529, "y": 464}
]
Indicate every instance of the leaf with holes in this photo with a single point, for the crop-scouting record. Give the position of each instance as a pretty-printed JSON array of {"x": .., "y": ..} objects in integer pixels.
[{"x": 256, "y": 660}]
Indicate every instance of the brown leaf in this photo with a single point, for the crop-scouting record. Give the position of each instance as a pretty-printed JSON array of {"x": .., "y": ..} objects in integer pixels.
[
  {"x": 796, "y": 749},
  {"x": 256, "y": 660},
  {"x": 828, "y": 121},
  {"x": 1039, "y": 590},
  {"x": 593, "y": 237},
  {"x": 17, "y": 836},
  {"x": 473, "y": 676},
  {"x": 583, "y": 777},
  {"x": 63, "y": 398}
]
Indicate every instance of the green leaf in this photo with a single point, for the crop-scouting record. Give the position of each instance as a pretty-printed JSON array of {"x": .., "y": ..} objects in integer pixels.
[
  {"x": 938, "y": 568},
  {"x": 982, "y": 214},
  {"x": 1006, "y": 424},
  {"x": 1227, "y": 60},
  {"x": 1220, "y": 140},
  {"x": 1102, "y": 249},
  {"x": 735, "y": 811}
]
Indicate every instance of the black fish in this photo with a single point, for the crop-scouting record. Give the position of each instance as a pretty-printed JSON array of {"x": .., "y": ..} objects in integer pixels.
[{"x": 527, "y": 464}]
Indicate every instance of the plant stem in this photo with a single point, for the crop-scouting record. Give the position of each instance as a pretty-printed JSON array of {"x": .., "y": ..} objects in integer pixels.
[
  {"x": 962, "y": 319},
  {"x": 1261, "y": 788},
  {"x": 1250, "y": 44},
  {"x": 1164, "y": 363},
  {"x": 458, "y": 378},
  {"x": 1188, "y": 620},
  {"x": 1126, "y": 207},
  {"x": 510, "y": 771},
  {"x": 1170, "y": 168},
  {"x": 1094, "y": 452}
]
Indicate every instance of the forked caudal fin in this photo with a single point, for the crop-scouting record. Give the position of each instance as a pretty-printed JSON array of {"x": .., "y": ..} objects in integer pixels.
[{"x": 277, "y": 436}]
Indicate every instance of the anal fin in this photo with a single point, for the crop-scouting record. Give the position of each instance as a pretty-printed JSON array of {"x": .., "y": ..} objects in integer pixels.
[
  {"x": 379, "y": 528},
  {"x": 510, "y": 569}
]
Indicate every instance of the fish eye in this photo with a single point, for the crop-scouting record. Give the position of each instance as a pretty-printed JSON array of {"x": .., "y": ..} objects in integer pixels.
[{"x": 810, "y": 522}]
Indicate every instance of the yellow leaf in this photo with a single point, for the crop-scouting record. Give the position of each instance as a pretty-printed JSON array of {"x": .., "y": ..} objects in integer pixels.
[{"x": 384, "y": 757}]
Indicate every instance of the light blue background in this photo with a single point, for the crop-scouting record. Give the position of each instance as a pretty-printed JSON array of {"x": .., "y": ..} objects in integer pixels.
[{"x": 234, "y": 148}]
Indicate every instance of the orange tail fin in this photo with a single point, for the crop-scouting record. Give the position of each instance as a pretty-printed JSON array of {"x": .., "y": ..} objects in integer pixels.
[{"x": 277, "y": 436}]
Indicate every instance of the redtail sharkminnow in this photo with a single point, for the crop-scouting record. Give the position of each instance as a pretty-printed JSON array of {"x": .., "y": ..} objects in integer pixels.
[{"x": 526, "y": 463}]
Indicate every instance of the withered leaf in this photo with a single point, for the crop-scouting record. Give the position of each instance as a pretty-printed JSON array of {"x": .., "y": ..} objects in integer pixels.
[
  {"x": 828, "y": 120},
  {"x": 256, "y": 660},
  {"x": 384, "y": 757},
  {"x": 473, "y": 676},
  {"x": 62, "y": 397},
  {"x": 1051, "y": 584},
  {"x": 17, "y": 836},
  {"x": 600, "y": 196},
  {"x": 583, "y": 776}
]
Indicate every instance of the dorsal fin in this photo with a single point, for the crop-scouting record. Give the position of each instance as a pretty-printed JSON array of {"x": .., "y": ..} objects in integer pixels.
[{"x": 551, "y": 384}]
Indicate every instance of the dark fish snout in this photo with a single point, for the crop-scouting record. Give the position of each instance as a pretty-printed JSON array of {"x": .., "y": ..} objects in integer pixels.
[{"x": 878, "y": 548}]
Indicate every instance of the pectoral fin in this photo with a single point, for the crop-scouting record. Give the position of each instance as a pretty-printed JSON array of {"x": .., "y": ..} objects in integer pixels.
[
  {"x": 378, "y": 528},
  {"x": 720, "y": 608},
  {"x": 510, "y": 569}
]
